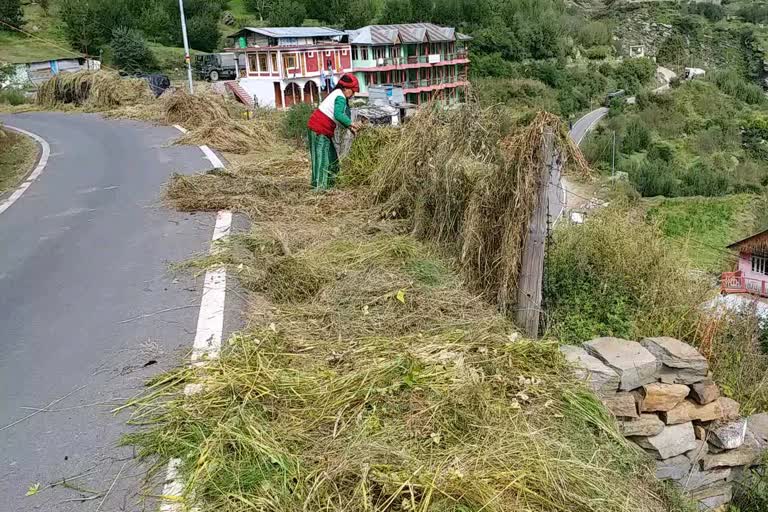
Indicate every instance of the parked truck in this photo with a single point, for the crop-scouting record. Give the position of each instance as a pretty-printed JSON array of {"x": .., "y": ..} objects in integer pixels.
[{"x": 215, "y": 66}]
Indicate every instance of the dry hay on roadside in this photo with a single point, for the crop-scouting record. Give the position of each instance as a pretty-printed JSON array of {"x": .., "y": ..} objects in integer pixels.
[
  {"x": 239, "y": 137},
  {"x": 96, "y": 90},
  {"x": 468, "y": 179},
  {"x": 193, "y": 111}
]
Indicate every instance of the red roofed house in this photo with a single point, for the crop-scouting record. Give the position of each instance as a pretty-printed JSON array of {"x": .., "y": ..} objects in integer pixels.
[{"x": 752, "y": 274}]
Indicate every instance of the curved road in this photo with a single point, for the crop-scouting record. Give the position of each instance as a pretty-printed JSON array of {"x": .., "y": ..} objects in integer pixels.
[{"x": 88, "y": 309}]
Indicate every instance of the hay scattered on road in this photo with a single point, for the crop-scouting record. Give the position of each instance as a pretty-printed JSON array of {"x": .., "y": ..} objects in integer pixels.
[
  {"x": 193, "y": 111},
  {"x": 239, "y": 137}
]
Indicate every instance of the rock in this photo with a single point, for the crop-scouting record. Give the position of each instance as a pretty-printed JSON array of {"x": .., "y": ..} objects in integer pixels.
[
  {"x": 757, "y": 425},
  {"x": 722, "y": 408},
  {"x": 705, "y": 391},
  {"x": 696, "y": 478},
  {"x": 715, "y": 503},
  {"x": 728, "y": 435},
  {"x": 730, "y": 408},
  {"x": 634, "y": 364},
  {"x": 673, "y": 468},
  {"x": 730, "y": 458},
  {"x": 700, "y": 432},
  {"x": 698, "y": 453},
  {"x": 599, "y": 377},
  {"x": 621, "y": 405},
  {"x": 676, "y": 354},
  {"x": 687, "y": 411},
  {"x": 669, "y": 375},
  {"x": 714, "y": 490},
  {"x": 673, "y": 440},
  {"x": 662, "y": 397},
  {"x": 646, "y": 425}
]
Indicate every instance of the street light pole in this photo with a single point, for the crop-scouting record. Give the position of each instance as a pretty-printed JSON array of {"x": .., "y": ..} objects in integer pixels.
[{"x": 186, "y": 45}]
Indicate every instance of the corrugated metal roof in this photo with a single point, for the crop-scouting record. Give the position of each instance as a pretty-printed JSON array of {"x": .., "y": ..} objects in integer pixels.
[
  {"x": 280, "y": 32},
  {"x": 406, "y": 33}
]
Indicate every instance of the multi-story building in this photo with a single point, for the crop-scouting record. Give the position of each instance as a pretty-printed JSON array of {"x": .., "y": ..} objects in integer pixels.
[
  {"x": 427, "y": 60},
  {"x": 289, "y": 65}
]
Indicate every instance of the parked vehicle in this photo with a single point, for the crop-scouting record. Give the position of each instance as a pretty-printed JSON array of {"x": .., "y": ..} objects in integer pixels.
[
  {"x": 616, "y": 95},
  {"x": 691, "y": 73},
  {"x": 215, "y": 66}
]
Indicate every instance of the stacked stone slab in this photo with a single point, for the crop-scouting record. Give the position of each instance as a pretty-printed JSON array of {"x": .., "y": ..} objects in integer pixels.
[{"x": 665, "y": 401}]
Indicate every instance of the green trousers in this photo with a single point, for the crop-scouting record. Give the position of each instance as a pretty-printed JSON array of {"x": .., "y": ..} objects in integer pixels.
[{"x": 325, "y": 161}]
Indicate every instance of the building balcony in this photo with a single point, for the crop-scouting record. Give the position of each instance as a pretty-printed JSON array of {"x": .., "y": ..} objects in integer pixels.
[{"x": 736, "y": 282}]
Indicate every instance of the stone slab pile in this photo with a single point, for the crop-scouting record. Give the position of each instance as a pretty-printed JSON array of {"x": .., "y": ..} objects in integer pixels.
[{"x": 662, "y": 394}]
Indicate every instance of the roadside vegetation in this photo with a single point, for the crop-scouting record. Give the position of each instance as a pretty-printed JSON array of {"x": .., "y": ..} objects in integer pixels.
[{"x": 17, "y": 157}]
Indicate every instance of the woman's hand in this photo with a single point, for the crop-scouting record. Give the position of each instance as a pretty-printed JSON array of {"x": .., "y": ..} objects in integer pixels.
[{"x": 355, "y": 127}]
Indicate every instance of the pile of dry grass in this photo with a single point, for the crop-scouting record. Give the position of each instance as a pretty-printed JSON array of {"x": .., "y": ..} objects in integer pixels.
[
  {"x": 468, "y": 179},
  {"x": 194, "y": 110},
  {"x": 94, "y": 90},
  {"x": 239, "y": 137}
]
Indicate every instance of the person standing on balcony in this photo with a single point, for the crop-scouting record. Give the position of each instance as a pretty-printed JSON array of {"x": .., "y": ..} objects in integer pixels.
[{"x": 333, "y": 111}]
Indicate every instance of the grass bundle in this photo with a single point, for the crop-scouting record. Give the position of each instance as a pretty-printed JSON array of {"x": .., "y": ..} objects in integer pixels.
[
  {"x": 466, "y": 179},
  {"x": 239, "y": 137},
  {"x": 95, "y": 90},
  {"x": 194, "y": 110}
]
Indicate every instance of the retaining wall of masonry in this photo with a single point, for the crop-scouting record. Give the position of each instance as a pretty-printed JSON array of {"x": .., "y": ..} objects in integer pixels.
[{"x": 665, "y": 401}]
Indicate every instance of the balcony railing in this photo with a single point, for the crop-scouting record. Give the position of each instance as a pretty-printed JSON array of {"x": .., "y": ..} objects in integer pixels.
[{"x": 736, "y": 282}]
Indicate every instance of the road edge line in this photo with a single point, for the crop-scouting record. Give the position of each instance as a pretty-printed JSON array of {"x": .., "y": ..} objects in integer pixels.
[
  {"x": 208, "y": 335},
  {"x": 44, "y": 155}
]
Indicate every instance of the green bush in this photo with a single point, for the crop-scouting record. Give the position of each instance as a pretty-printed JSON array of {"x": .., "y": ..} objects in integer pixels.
[
  {"x": 615, "y": 276},
  {"x": 637, "y": 137},
  {"x": 11, "y": 13},
  {"x": 672, "y": 51},
  {"x": 524, "y": 93},
  {"x": 12, "y": 96},
  {"x": 732, "y": 83},
  {"x": 712, "y": 12},
  {"x": 598, "y": 52},
  {"x": 130, "y": 51},
  {"x": 294, "y": 122}
]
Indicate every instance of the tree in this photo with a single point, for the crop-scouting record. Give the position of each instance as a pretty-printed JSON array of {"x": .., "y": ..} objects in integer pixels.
[
  {"x": 397, "y": 11},
  {"x": 287, "y": 13},
  {"x": 203, "y": 32},
  {"x": 359, "y": 13},
  {"x": 11, "y": 14},
  {"x": 81, "y": 32},
  {"x": 421, "y": 10},
  {"x": 260, "y": 8},
  {"x": 130, "y": 51}
]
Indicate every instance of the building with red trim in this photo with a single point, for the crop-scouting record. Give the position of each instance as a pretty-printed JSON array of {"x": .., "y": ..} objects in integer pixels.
[
  {"x": 289, "y": 65},
  {"x": 427, "y": 60}
]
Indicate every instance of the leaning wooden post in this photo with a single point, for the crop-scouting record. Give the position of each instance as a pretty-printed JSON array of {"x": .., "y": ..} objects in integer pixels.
[{"x": 530, "y": 282}]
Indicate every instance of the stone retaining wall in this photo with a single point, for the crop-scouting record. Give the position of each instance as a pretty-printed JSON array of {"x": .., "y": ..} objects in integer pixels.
[{"x": 665, "y": 401}]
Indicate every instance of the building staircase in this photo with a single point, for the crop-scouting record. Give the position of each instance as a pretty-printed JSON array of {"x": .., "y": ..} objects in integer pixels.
[{"x": 240, "y": 93}]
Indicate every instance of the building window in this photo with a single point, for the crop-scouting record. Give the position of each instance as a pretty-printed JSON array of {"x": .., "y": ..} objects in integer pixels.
[
  {"x": 290, "y": 61},
  {"x": 263, "y": 63},
  {"x": 760, "y": 264},
  {"x": 253, "y": 66},
  {"x": 364, "y": 53},
  {"x": 354, "y": 53},
  {"x": 379, "y": 52},
  {"x": 274, "y": 62}
]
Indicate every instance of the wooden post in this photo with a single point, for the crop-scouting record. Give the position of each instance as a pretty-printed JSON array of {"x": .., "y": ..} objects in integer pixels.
[{"x": 529, "y": 286}]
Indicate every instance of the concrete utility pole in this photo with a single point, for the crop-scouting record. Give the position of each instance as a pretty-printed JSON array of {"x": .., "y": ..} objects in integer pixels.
[
  {"x": 531, "y": 279},
  {"x": 186, "y": 45},
  {"x": 613, "y": 155}
]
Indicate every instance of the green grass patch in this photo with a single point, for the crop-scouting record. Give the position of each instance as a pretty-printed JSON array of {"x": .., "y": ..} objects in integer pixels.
[
  {"x": 48, "y": 42},
  {"x": 17, "y": 156},
  {"x": 705, "y": 226}
]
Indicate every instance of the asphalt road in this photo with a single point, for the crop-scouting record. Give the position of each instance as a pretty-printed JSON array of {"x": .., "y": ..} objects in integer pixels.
[{"x": 88, "y": 307}]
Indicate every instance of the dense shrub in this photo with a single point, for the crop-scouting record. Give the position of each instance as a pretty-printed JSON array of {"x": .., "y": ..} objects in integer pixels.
[
  {"x": 637, "y": 137},
  {"x": 294, "y": 122},
  {"x": 287, "y": 13},
  {"x": 11, "y": 13},
  {"x": 754, "y": 13},
  {"x": 672, "y": 51},
  {"x": 712, "y": 12},
  {"x": 614, "y": 276},
  {"x": 598, "y": 52},
  {"x": 730, "y": 82},
  {"x": 12, "y": 96},
  {"x": 130, "y": 51},
  {"x": 524, "y": 93}
]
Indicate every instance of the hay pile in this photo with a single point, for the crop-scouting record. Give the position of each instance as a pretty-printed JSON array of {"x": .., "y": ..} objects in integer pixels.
[
  {"x": 194, "y": 111},
  {"x": 93, "y": 90},
  {"x": 468, "y": 180},
  {"x": 239, "y": 137}
]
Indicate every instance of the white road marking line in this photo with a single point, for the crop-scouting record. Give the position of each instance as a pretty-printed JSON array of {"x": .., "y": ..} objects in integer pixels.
[
  {"x": 207, "y": 343},
  {"x": 46, "y": 153}
]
